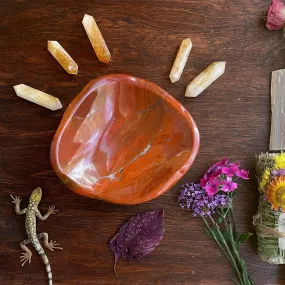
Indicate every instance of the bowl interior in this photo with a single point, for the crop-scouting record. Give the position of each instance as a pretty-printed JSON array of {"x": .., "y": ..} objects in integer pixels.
[{"x": 124, "y": 140}]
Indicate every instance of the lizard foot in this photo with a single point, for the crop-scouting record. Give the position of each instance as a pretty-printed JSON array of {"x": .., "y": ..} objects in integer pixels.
[
  {"x": 52, "y": 210},
  {"x": 25, "y": 257},
  {"x": 53, "y": 245},
  {"x": 16, "y": 200}
]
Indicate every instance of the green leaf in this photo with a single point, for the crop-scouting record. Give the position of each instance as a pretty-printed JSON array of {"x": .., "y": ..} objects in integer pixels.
[
  {"x": 220, "y": 219},
  {"x": 242, "y": 238},
  {"x": 215, "y": 235}
]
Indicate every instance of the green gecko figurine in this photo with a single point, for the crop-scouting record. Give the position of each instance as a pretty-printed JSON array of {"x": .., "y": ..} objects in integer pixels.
[{"x": 31, "y": 213}]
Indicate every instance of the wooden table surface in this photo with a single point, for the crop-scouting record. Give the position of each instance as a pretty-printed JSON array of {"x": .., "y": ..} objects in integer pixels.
[{"x": 233, "y": 116}]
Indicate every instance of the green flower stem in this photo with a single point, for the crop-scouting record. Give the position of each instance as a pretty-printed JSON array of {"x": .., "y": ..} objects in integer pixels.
[
  {"x": 231, "y": 229},
  {"x": 242, "y": 265},
  {"x": 235, "y": 281},
  {"x": 241, "y": 262},
  {"x": 232, "y": 260},
  {"x": 233, "y": 213},
  {"x": 216, "y": 240},
  {"x": 228, "y": 208}
]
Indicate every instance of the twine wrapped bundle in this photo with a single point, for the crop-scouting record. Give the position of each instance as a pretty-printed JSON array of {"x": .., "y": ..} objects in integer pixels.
[{"x": 269, "y": 220}]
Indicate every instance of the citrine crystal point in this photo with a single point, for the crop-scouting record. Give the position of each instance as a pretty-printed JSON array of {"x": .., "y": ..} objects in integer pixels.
[
  {"x": 62, "y": 57},
  {"x": 38, "y": 97},
  {"x": 180, "y": 60},
  {"x": 96, "y": 39},
  {"x": 205, "y": 78}
]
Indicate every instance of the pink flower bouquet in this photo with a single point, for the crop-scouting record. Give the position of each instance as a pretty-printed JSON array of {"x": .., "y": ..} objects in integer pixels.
[{"x": 212, "y": 200}]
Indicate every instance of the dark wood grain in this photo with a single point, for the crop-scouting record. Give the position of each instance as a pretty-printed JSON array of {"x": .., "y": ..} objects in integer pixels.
[{"x": 233, "y": 116}]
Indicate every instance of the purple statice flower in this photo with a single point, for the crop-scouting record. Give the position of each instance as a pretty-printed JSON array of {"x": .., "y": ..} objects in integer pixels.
[
  {"x": 242, "y": 174},
  {"x": 230, "y": 170},
  {"x": 212, "y": 187},
  {"x": 279, "y": 172},
  {"x": 194, "y": 197},
  {"x": 229, "y": 185}
]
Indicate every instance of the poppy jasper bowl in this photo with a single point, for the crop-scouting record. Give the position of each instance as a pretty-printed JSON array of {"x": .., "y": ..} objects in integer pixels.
[{"x": 124, "y": 140}]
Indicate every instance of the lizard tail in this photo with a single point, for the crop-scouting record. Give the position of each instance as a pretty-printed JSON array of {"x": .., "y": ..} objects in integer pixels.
[{"x": 46, "y": 262}]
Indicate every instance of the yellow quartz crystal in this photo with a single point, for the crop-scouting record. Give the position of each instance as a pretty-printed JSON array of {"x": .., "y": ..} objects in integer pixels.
[
  {"x": 205, "y": 78},
  {"x": 37, "y": 97},
  {"x": 63, "y": 58},
  {"x": 180, "y": 60},
  {"x": 96, "y": 39}
]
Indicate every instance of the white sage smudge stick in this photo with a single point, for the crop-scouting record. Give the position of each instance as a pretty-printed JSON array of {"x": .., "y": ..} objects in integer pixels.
[
  {"x": 180, "y": 60},
  {"x": 281, "y": 229},
  {"x": 96, "y": 39},
  {"x": 38, "y": 97},
  {"x": 268, "y": 222},
  {"x": 63, "y": 58},
  {"x": 277, "y": 137},
  {"x": 205, "y": 79}
]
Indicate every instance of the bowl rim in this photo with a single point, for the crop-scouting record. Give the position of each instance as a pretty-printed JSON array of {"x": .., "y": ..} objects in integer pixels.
[{"x": 153, "y": 88}]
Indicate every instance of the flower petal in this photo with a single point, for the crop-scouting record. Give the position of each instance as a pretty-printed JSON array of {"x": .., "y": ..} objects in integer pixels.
[
  {"x": 242, "y": 174},
  {"x": 211, "y": 191},
  {"x": 275, "y": 15}
]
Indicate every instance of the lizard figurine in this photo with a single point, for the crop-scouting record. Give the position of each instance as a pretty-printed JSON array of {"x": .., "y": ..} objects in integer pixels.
[{"x": 31, "y": 213}]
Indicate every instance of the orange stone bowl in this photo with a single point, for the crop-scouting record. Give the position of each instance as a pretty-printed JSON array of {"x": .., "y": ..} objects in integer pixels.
[{"x": 124, "y": 140}]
